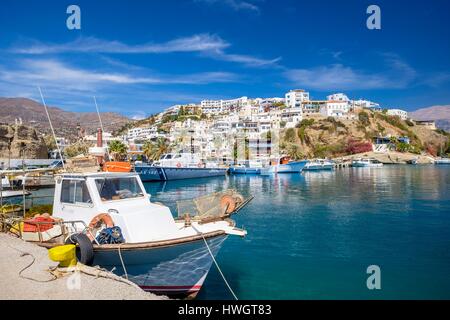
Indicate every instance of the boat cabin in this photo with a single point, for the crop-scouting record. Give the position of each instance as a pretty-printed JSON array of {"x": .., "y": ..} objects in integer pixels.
[{"x": 81, "y": 197}]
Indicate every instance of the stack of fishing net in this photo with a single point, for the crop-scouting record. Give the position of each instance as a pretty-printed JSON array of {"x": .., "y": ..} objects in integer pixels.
[{"x": 216, "y": 205}]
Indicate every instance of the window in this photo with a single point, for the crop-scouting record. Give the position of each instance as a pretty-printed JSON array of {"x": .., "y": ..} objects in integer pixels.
[
  {"x": 75, "y": 191},
  {"x": 112, "y": 189}
]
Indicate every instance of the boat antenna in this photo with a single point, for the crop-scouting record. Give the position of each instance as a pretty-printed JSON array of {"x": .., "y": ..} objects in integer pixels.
[
  {"x": 101, "y": 126},
  {"x": 51, "y": 127}
]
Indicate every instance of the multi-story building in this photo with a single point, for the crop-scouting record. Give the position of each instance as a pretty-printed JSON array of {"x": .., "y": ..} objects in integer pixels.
[
  {"x": 399, "y": 113},
  {"x": 292, "y": 116},
  {"x": 334, "y": 109},
  {"x": 294, "y": 98},
  {"x": 312, "y": 107}
]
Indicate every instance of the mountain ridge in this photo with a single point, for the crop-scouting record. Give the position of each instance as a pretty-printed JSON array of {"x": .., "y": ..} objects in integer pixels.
[
  {"x": 438, "y": 113},
  {"x": 65, "y": 122}
]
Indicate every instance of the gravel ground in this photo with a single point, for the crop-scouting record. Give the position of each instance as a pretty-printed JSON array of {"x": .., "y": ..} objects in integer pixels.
[{"x": 37, "y": 282}]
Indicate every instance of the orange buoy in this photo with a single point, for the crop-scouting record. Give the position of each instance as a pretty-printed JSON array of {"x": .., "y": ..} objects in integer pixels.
[
  {"x": 97, "y": 222},
  {"x": 228, "y": 203}
]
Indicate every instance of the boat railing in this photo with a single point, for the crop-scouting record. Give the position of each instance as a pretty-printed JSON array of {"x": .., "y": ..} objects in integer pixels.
[{"x": 13, "y": 225}]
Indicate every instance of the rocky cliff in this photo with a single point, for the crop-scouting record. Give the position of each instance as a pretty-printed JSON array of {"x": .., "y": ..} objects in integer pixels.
[
  {"x": 19, "y": 141},
  {"x": 328, "y": 137}
]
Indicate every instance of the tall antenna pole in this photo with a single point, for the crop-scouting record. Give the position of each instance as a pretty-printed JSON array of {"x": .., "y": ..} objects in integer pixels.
[
  {"x": 51, "y": 127},
  {"x": 101, "y": 126}
]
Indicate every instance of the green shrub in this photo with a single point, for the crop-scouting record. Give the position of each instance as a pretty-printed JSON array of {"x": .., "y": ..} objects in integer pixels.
[
  {"x": 363, "y": 117},
  {"x": 289, "y": 135}
]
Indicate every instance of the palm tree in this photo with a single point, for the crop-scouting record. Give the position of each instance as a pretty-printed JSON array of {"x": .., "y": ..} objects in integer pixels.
[
  {"x": 117, "y": 149},
  {"x": 154, "y": 150},
  {"x": 147, "y": 149},
  {"x": 160, "y": 147}
]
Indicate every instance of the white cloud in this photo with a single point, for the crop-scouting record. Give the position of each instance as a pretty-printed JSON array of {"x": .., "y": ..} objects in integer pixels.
[
  {"x": 49, "y": 72},
  {"x": 208, "y": 45},
  {"x": 195, "y": 43},
  {"x": 333, "y": 77},
  {"x": 236, "y": 5}
]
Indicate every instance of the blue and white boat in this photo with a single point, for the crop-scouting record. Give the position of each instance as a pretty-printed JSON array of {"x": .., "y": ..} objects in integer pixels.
[
  {"x": 284, "y": 165},
  {"x": 247, "y": 167},
  {"x": 176, "y": 166},
  {"x": 159, "y": 253},
  {"x": 318, "y": 165}
]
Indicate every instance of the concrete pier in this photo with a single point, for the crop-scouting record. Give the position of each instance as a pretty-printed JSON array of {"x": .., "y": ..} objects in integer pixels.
[{"x": 26, "y": 273}]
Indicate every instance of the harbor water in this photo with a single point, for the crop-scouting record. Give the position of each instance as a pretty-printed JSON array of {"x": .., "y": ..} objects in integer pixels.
[{"x": 313, "y": 236}]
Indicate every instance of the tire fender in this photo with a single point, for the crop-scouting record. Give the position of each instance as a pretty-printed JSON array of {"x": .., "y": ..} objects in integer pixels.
[{"x": 85, "y": 249}]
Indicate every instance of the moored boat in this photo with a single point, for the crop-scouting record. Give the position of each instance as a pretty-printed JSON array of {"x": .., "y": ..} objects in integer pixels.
[
  {"x": 117, "y": 227},
  {"x": 366, "y": 162},
  {"x": 319, "y": 164},
  {"x": 178, "y": 166},
  {"x": 442, "y": 161},
  {"x": 284, "y": 165},
  {"x": 247, "y": 167}
]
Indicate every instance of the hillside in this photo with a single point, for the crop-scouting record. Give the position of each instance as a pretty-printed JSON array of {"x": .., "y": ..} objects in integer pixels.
[
  {"x": 441, "y": 114},
  {"x": 319, "y": 137},
  {"x": 33, "y": 114}
]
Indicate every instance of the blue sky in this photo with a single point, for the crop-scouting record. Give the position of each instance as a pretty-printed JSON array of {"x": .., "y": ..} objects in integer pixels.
[{"x": 138, "y": 57}]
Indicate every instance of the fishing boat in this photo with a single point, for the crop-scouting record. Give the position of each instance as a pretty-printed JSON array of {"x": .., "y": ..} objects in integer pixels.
[
  {"x": 442, "y": 161},
  {"x": 284, "y": 165},
  {"x": 12, "y": 201},
  {"x": 176, "y": 166},
  {"x": 116, "y": 226},
  {"x": 319, "y": 164},
  {"x": 366, "y": 162},
  {"x": 247, "y": 167}
]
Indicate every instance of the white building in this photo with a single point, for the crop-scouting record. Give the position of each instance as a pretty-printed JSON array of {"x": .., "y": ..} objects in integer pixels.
[
  {"x": 366, "y": 104},
  {"x": 294, "y": 98},
  {"x": 211, "y": 106},
  {"x": 399, "y": 113},
  {"x": 142, "y": 133},
  {"x": 338, "y": 97},
  {"x": 292, "y": 116},
  {"x": 334, "y": 109}
]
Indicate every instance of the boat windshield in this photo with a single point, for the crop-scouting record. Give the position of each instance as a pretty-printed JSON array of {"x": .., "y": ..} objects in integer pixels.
[{"x": 112, "y": 189}]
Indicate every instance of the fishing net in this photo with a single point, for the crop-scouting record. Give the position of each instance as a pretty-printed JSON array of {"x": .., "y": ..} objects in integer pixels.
[{"x": 218, "y": 204}]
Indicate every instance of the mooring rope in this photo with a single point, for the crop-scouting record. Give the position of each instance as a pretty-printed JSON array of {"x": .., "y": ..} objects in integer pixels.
[
  {"x": 24, "y": 254},
  {"x": 123, "y": 264},
  {"x": 217, "y": 265}
]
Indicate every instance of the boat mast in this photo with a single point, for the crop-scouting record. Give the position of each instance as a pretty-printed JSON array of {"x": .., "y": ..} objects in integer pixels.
[
  {"x": 101, "y": 126},
  {"x": 51, "y": 127}
]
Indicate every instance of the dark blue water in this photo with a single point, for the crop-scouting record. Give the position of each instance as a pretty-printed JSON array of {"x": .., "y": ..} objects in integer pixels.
[{"x": 312, "y": 236}]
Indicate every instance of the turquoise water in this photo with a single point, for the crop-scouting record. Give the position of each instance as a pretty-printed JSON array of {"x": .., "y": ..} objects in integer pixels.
[{"x": 312, "y": 236}]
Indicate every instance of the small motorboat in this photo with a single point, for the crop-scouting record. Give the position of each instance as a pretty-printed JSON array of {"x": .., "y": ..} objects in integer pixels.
[
  {"x": 413, "y": 161},
  {"x": 319, "y": 164},
  {"x": 248, "y": 167},
  {"x": 116, "y": 226},
  {"x": 442, "y": 161},
  {"x": 284, "y": 165},
  {"x": 366, "y": 162}
]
